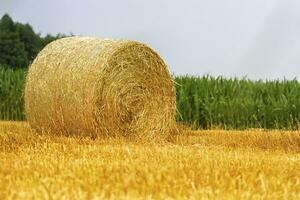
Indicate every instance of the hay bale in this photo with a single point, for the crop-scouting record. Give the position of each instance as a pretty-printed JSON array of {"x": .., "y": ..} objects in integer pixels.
[{"x": 100, "y": 86}]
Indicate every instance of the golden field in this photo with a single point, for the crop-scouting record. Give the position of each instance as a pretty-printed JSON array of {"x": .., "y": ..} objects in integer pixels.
[{"x": 214, "y": 164}]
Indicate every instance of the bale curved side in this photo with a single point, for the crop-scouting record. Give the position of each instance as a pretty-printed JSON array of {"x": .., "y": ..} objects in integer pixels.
[{"x": 96, "y": 86}]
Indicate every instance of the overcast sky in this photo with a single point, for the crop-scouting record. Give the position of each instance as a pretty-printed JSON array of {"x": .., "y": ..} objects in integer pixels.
[{"x": 253, "y": 38}]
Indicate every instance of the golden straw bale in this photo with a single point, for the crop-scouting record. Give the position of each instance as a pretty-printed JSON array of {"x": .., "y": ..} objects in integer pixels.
[{"x": 100, "y": 87}]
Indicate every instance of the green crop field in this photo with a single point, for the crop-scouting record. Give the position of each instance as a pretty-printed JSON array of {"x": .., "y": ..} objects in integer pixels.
[
  {"x": 11, "y": 94},
  {"x": 204, "y": 102},
  {"x": 238, "y": 103}
]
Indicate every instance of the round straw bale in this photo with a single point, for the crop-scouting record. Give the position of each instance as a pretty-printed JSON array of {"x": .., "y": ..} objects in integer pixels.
[{"x": 100, "y": 86}]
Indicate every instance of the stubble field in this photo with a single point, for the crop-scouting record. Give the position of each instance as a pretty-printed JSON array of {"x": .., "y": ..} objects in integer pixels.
[{"x": 214, "y": 164}]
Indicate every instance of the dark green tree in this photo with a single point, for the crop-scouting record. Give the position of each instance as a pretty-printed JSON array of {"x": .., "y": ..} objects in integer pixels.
[
  {"x": 30, "y": 39},
  {"x": 7, "y": 24},
  {"x": 12, "y": 50},
  {"x": 19, "y": 44}
]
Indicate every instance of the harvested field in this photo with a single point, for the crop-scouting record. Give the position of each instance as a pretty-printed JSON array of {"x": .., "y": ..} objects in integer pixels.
[{"x": 213, "y": 164}]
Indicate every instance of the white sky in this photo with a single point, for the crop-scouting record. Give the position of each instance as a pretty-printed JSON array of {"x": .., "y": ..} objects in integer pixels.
[{"x": 253, "y": 38}]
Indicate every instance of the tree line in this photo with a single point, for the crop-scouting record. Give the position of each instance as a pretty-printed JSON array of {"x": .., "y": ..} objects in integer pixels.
[{"x": 19, "y": 43}]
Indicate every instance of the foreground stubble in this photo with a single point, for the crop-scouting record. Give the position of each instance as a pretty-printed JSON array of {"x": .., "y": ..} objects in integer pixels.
[{"x": 196, "y": 165}]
